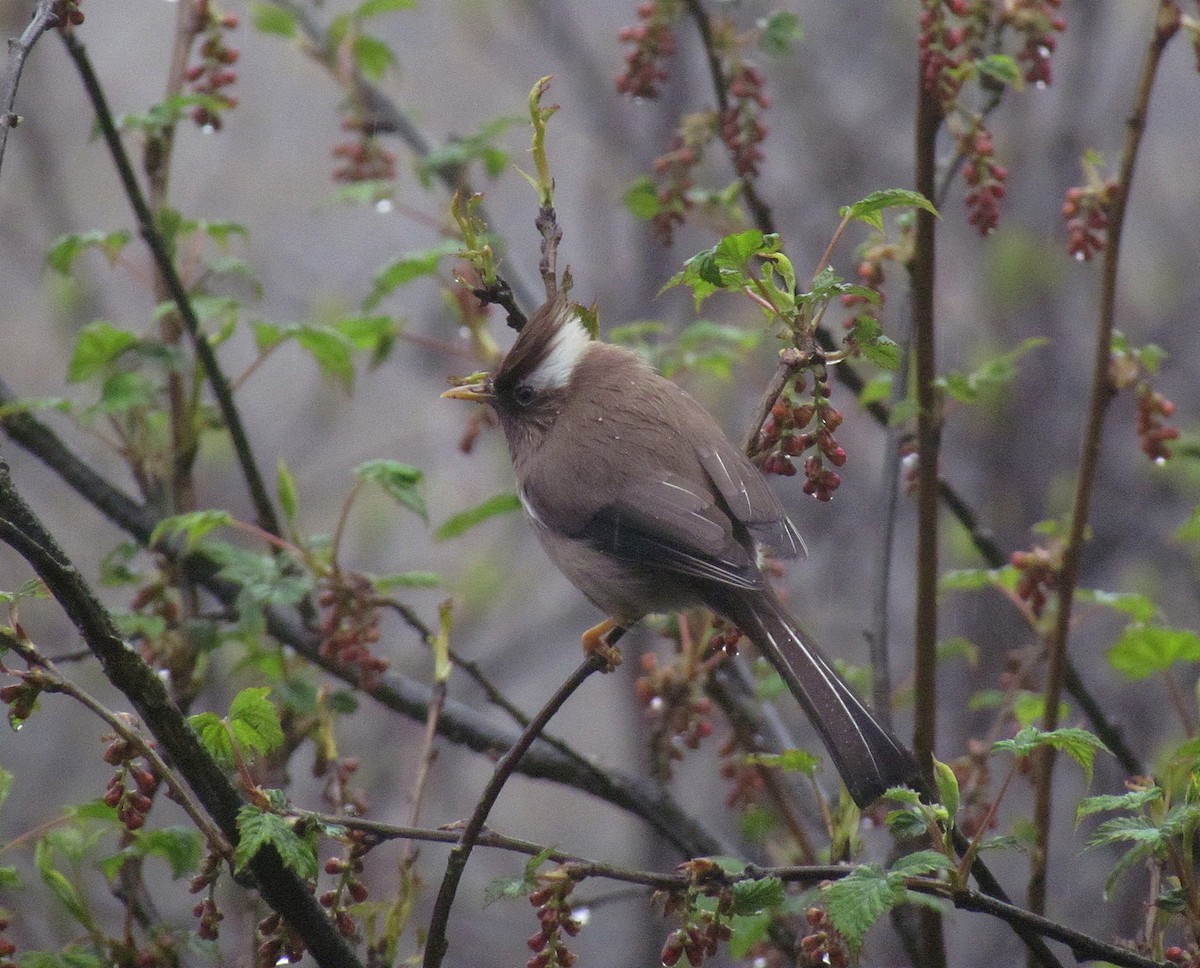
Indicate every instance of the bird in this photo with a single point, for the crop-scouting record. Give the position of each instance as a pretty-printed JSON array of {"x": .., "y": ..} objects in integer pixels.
[{"x": 646, "y": 506}]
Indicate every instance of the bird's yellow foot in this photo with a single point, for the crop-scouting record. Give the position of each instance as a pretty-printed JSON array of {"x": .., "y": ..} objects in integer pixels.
[{"x": 595, "y": 642}]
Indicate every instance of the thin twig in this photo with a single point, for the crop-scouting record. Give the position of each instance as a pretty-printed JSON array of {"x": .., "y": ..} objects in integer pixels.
[
  {"x": 263, "y": 507},
  {"x": 49, "y": 679},
  {"x": 436, "y": 944},
  {"x": 1084, "y": 947},
  {"x": 44, "y": 18},
  {"x": 1165, "y": 25}
]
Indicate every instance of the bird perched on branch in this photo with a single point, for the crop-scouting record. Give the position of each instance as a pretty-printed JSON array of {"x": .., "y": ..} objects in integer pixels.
[{"x": 646, "y": 506}]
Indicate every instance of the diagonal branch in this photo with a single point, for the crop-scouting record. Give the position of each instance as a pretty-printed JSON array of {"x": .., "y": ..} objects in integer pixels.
[
  {"x": 436, "y": 944},
  {"x": 263, "y": 507}
]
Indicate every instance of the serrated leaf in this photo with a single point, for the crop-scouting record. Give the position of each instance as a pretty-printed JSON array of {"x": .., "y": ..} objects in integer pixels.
[
  {"x": 258, "y": 829},
  {"x": 399, "y": 481},
  {"x": 868, "y": 209},
  {"x": 270, "y": 19},
  {"x": 59, "y": 885},
  {"x": 1145, "y": 649},
  {"x": 33, "y": 405},
  {"x": 756, "y": 895},
  {"x": 459, "y": 524},
  {"x": 503, "y": 887},
  {"x": 255, "y": 720},
  {"x": 6, "y": 782},
  {"x": 858, "y": 900},
  {"x": 194, "y": 525},
  {"x": 214, "y": 736},
  {"x": 779, "y": 32},
  {"x": 1190, "y": 529},
  {"x": 124, "y": 391},
  {"x": 920, "y": 863},
  {"x": 1132, "y": 801},
  {"x": 97, "y": 345},
  {"x": 1078, "y": 744}
]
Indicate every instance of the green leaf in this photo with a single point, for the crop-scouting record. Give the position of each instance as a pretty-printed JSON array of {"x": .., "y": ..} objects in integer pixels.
[
  {"x": 757, "y": 894},
  {"x": 57, "y": 882},
  {"x": 966, "y": 579},
  {"x": 1146, "y": 649},
  {"x": 947, "y": 784},
  {"x": 399, "y": 481},
  {"x": 868, "y": 209},
  {"x": 793, "y": 761},
  {"x": 372, "y": 56},
  {"x": 195, "y": 525},
  {"x": 255, "y": 721},
  {"x": 1078, "y": 744},
  {"x": 1140, "y": 608},
  {"x": 181, "y": 847},
  {"x": 33, "y": 405},
  {"x": 258, "y": 829},
  {"x": 97, "y": 345},
  {"x": 373, "y": 8},
  {"x": 408, "y": 579},
  {"x": 270, "y": 19},
  {"x": 874, "y": 345},
  {"x": 373, "y": 334},
  {"x": 780, "y": 31},
  {"x": 858, "y": 900},
  {"x": 992, "y": 374},
  {"x": 641, "y": 199},
  {"x": 6, "y": 782},
  {"x": 920, "y": 863},
  {"x": 67, "y": 248},
  {"x": 1134, "y": 800},
  {"x": 408, "y": 267},
  {"x": 123, "y": 392},
  {"x": 214, "y": 736},
  {"x": 506, "y": 887},
  {"x": 285, "y": 487},
  {"x": 1190, "y": 529},
  {"x": 1002, "y": 68},
  {"x": 331, "y": 350},
  {"x": 877, "y": 390},
  {"x": 464, "y": 521}
]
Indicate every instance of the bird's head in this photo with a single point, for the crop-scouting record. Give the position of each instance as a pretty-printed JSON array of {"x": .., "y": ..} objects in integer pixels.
[{"x": 532, "y": 384}]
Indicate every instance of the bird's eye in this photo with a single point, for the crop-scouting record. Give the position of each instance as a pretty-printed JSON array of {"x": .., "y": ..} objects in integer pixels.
[{"x": 524, "y": 394}]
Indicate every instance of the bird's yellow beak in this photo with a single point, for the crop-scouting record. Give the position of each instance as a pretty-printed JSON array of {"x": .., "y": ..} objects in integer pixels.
[{"x": 478, "y": 392}]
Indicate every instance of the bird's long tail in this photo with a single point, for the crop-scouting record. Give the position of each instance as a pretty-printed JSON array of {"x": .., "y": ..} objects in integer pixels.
[{"x": 866, "y": 754}]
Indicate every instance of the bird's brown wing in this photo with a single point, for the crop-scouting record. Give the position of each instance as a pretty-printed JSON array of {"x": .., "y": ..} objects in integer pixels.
[
  {"x": 675, "y": 525},
  {"x": 749, "y": 499}
]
